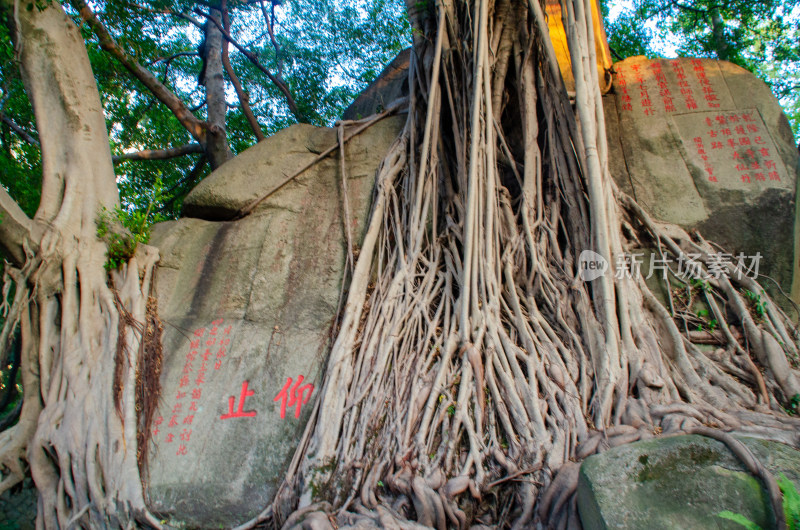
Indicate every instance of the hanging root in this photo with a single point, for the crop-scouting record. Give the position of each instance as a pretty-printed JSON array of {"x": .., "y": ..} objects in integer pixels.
[
  {"x": 473, "y": 369},
  {"x": 87, "y": 403},
  {"x": 148, "y": 380},
  {"x": 148, "y": 363},
  {"x": 18, "y": 316}
]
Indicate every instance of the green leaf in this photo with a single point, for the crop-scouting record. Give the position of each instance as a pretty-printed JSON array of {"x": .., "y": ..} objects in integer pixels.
[
  {"x": 791, "y": 502},
  {"x": 739, "y": 518}
]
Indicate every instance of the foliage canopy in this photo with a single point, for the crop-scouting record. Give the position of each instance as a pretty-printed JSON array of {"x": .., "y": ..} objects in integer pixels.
[{"x": 326, "y": 52}]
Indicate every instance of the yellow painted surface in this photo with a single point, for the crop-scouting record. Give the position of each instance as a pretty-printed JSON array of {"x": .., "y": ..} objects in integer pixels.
[{"x": 558, "y": 36}]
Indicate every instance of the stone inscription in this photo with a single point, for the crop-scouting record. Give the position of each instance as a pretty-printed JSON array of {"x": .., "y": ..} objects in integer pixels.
[
  {"x": 704, "y": 144},
  {"x": 175, "y": 428},
  {"x": 213, "y": 341},
  {"x": 734, "y": 148},
  {"x": 240, "y": 412},
  {"x": 730, "y": 147},
  {"x": 294, "y": 396},
  {"x": 667, "y": 87}
]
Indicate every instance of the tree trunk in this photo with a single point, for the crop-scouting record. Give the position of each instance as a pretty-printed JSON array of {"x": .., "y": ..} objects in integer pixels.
[
  {"x": 217, "y": 148},
  {"x": 721, "y": 45},
  {"x": 471, "y": 361},
  {"x": 83, "y": 453}
]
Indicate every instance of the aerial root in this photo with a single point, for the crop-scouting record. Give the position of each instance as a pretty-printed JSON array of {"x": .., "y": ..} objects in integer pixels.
[
  {"x": 76, "y": 400},
  {"x": 319, "y": 516},
  {"x": 473, "y": 370},
  {"x": 558, "y": 494}
]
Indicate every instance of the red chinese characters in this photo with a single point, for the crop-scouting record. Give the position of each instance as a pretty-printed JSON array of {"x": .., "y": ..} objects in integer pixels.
[
  {"x": 186, "y": 409},
  {"x": 294, "y": 395},
  {"x": 622, "y": 83},
  {"x": 663, "y": 88},
  {"x": 701, "y": 152},
  {"x": 644, "y": 94},
  {"x": 708, "y": 91},
  {"x": 742, "y": 135},
  {"x": 683, "y": 84},
  {"x": 240, "y": 412}
]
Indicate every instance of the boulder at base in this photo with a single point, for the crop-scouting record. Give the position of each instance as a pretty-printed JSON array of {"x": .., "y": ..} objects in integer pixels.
[
  {"x": 704, "y": 144},
  {"x": 248, "y": 307},
  {"x": 679, "y": 482}
]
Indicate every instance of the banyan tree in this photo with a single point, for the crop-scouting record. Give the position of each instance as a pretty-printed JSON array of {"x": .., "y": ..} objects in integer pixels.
[{"x": 472, "y": 369}]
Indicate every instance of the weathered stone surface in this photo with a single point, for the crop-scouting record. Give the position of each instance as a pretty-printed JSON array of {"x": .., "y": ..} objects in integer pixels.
[
  {"x": 678, "y": 482},
  {"x": 250, "y": 302},
  {"x": 704, "y": 144},
  {"x": 390, "y": 85},
  {"x": 259, "y": 169}
]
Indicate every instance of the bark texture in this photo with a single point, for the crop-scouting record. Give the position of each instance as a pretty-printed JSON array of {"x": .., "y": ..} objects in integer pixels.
[
  {"x": 217, "y": 148},
  {"x": 78, "y": 430}
]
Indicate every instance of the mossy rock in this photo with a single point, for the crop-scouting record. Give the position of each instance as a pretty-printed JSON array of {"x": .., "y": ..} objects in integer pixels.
[{"x": 679, "y": 482}]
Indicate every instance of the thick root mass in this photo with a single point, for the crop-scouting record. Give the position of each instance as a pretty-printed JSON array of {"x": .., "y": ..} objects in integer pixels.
[{"x": 473, "y": 368}]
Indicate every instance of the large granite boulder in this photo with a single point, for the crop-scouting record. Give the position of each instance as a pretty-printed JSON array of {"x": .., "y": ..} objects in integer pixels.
[
  {"x": 704, "y": 144},
  {"x": 678, "y": 482},
  {"x": 248, "y": 307}
]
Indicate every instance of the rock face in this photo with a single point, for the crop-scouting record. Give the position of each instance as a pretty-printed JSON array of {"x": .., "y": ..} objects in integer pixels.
[
  {"x": 248, "y": 306},
  {"x": 704, "y": 144},
  {"x": 678, "y": 482}
]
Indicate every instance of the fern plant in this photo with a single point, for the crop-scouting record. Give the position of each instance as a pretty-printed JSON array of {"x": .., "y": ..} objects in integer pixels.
[{"x": 123, "y": 230}]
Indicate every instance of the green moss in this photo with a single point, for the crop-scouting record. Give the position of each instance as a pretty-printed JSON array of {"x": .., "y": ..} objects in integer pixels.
[
  {"x": 321, "y": 481},
  {"x": 692, "y": 478},
  {"x": 676, "y": 463}
]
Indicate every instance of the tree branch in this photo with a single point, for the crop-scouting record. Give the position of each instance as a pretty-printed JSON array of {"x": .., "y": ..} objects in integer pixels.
[
  {"x": 244, "y": 98},
  {"x": 160, "y": 154},
  {"x": 692, "y": 9},
  {"x": 196, "y": 127},
  {"x": 276, "y": 79},
  {"x": 22, "y": 133},
  {"x": 173, "y": 57},
  {"x": 270, "y": 20}
]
